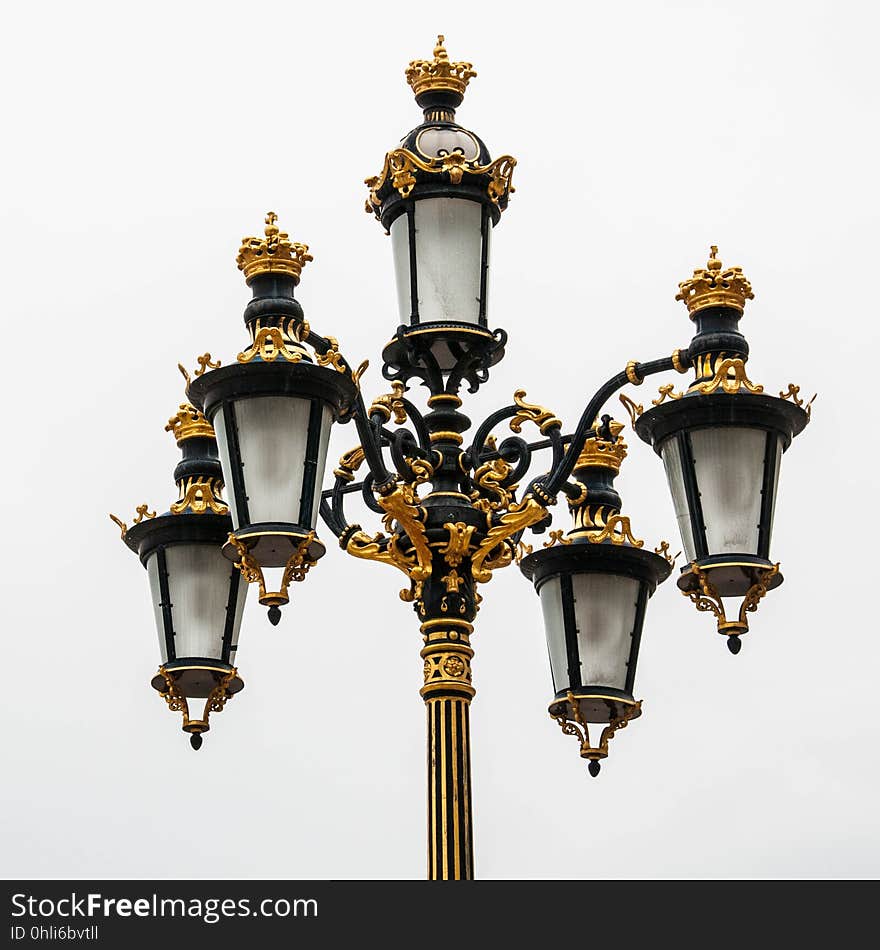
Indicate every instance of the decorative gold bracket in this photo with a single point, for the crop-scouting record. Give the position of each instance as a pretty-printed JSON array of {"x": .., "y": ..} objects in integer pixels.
[
  {"x": 177, "y": 701},
  {"x": 297, "y": 567},
  {"x": 577, "y": 726},
  {"x": 519, "y": 516},
  {"x": 706, "y": 598},
  {"x": 543, "y": 418}
]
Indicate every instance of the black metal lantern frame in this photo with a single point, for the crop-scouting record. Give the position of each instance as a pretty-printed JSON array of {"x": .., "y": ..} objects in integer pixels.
[{"x": 454, "y": 513}]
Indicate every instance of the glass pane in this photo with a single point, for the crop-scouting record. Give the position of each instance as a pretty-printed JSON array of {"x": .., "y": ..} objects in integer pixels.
[
  {"x": 729, "y": 464},
  {"x": 775, "y": 483},
  {"x": 198, "y": 580},
  {"x": 400, "y": 249},
  {"x": 156, "y": 595},
  {"x": 326, "y": 424},
  {"x": 272, "y": 434},
  {"x": 439, "y": 142},
  {"x": 671, "y": 456},
  {"x": 240, "y": 599},
  {"x": 605, "y": 608},
  {"x": 554, "y": 628},
  {"x": 219, "y": 423},
  {"x": 448, "y": 254}
]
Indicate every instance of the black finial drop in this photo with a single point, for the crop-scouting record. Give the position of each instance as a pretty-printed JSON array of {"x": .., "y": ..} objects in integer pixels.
[
  {"x": 195, "y": 740},
  {"x": 594, "y": 767},
  {"x": 274, "y": 615},
  {"x": 734, "y": 644}
]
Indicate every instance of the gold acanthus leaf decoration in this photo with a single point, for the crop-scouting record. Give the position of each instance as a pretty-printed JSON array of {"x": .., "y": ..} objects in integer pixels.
[
  {"x": 542, "y": 417},
  {"x": 349, "y": 463},
  {"x": 519, "y": 516},
  {"x": 556, "y": 537},
  {"x": 730, "y": 375},
  {"x": 489, "y": 477},
  {"x": 617, "y": 530},
  {"x": 633, "y": 408},
  {"x": 391, "y": 404},
  {"x": 459, "y": 543},
  {"x": 199, "y": 495},
  {"x": 270, "y": 344}
]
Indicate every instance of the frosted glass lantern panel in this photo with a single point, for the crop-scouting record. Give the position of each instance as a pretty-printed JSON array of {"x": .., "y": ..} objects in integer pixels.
[
  {"x": 273, "y": 434},
  {"x": 554, "y": 628},
  {"x": 156, "y": 597},
  {"x": 400, "y": 250},
  {"x": 605, "y": 610},
  {"x": 671, "y": 455},
  {"x": 729, "y": 466},
  {"x": 448, "y": 259}
]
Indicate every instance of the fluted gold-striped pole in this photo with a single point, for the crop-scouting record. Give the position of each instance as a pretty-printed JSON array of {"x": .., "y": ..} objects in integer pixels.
[{"x": 447, "y": 693}]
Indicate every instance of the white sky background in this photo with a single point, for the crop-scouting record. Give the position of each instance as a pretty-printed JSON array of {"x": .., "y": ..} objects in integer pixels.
[{"x": 142, "y": 143}]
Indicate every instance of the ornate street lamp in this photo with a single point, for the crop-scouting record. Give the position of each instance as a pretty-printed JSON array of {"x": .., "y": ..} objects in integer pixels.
[
  {"x": 198, "y": 597},
  {"x": 594, "y": 585},
  {"x": 721, "y": 444},
  {"x": 452, "y": 513}
]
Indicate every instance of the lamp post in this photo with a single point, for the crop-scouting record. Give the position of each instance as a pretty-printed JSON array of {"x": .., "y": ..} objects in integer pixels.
[{"x": 454, "y": 513}]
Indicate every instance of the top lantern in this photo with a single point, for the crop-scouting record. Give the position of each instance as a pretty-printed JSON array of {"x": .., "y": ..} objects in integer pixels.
[{"x": 439, "y": 195}]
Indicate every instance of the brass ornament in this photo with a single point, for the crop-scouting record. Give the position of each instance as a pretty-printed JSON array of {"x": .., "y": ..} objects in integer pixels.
[
  {"x": 730, "y": 375},
  {"x": 331, "y": 356},
  {"x": 459, "y": 543},
  {"x": 297, "y": 567},
  {"x": 205, "y": 364},
  {"x": 274, "y": 253},
  {"x": 189, "y": 423},
  {"x": 270, "y": 344},
  {"x": 663, "y": 551},
  {"x": 575, "y": 725},
  {"x": 518, "y": 516},
  {"x": 633, "y": 408},
  {"x": 617, "y": 530},
  {"x": 215, "y": 701},
  {"x": 603, "y": 453},
  {"x": 439, "y": 72},
  {"x": 349, "y": 463},
  {"x": 489, "y": 477},
  {"x": 391, "y": 404},
  {"x": 706, "y": 599},
  {"x": 664, "y": 391},
  {"x": 543, "y": 418},
  {"x": 632, "y": 373},
  {"x": 199, "y": 495},
  {"x": 401, "y": 164},
  {"x": 141, "y": 512},
  {"x": 677, "y": 364},
  {"x": 792, "y": 393},
  {"x": 715, "y": 286}
]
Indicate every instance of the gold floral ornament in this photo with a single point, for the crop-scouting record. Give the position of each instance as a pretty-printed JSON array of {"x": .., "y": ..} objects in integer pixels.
[
  {"x": 274, "y": 253},
  {"x": 715, "y": 286},
  {"x": 205, "y": 364},
  {"x": 141, "y": 512},
  {"x": 439, "y": 73},
  {"x": 793, "y": 394},
  {"x": 730, "y": 375}
]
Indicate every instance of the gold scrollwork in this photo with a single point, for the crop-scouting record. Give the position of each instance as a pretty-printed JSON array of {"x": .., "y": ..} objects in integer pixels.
[
  {"x": 543, "y": 418},
  {"x": 391, "y": 404},
  {"x": 331, "y": 356},
  {"x": 141, "y": 512},
  {"x": 706, "y": 598},
  {"x": 663, "y": 550},
  {"x": 269, "y": 344},
  {"x": 617, "y": 530},
  {"x": 349, "y": 463},
  {"x": 730, "y": 375},
  {"x": 667, "y": 390},
  {"x": 401, "y": 164},
  {"x": 297, "y": 567},
  {"x": 489, "y": 477},
  {"x": 205, "y": 364},
  {"x": 459, "y": 543},
  {"x": 177, "y": 702},
  {"x": 519, "y": 516},
  {"x": 792, "y": 393},
  {"x": 577, "y": 726},
  {"x": 633, "y": 408},
  {"x": 199, "y": 495},
  {"x": 556, "y": 537}
]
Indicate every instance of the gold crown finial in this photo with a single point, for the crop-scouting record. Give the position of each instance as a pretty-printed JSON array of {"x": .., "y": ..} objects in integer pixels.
[
  {"x": 439, "y": 74},
  {"x": 715, "y": 286},
  {"x": 273, "y": 254},
  {"x": 189, "y": 423},
  {"x": 603, "y": 453}
]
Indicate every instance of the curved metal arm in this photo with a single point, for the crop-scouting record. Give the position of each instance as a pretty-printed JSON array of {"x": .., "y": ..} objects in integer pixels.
[{"x": 637, "y": 371}]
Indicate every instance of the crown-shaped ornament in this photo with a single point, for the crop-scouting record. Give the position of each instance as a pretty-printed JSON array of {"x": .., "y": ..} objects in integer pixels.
[
  {"x": 273, "y": 254},
  {"x": 426, "y": 75},
  {"x": 603, "y": 452},
  {"x": 715, "y": 286},
  {"x": 189, "y": 423}
]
